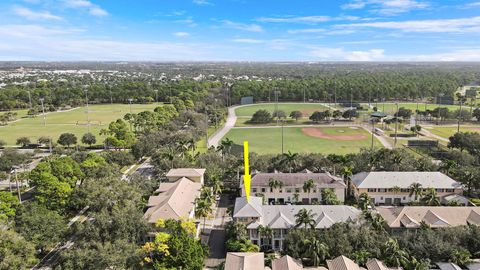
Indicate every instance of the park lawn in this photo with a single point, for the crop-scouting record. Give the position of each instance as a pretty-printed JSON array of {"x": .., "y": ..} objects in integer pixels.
[
  {"x": 268, "y": 140},
  {"x": 390, "y": 108},
  {"x": 20, "y": 113},
  {"x": 73, "y": 121},
  {"x": 446, "y": 132},
  {"x": 243, "y": 122},
  {"x": 286, "y": 107}
]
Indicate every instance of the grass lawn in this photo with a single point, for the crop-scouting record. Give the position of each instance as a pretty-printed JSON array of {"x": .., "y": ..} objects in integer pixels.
[
  {"x": 20, "y": 113},
  {"x": 446, "y": 132},
  {"x": 390, "y": 108},
  {"x": 305, "y": 108},
  {"x": 268, "y": 140},
  {"x": 73, "y": 121}
]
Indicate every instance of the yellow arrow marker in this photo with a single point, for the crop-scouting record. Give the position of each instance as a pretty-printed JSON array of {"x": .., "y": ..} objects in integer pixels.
[{"x": 246, "y": 176}]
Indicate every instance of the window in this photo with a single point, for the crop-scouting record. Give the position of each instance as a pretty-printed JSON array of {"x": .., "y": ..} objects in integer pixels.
[
  {"x": 280, "y": 190},
  {"x": 450, "y": 190},
  {"x": 271, "y": 189},
  {"x": 440, "y": 190},
  {"x": 372, "y": 190},
  {"x": 289, "y": 190},
  {"x": 297, "y": 190},
  {"x": 263, "y": 190},
  {"x": 242, "y": 219},
  {"x": 254, "y": 190},
  {"x": 404, "y": 190},
  {"x": 381, "y": 198},
  {"x": 314, "y": 190},
  {"x": 382, "y": 190}
]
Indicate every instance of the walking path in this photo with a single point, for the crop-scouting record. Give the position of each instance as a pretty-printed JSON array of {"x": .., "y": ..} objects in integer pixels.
[{"x": 215, "y": 139}]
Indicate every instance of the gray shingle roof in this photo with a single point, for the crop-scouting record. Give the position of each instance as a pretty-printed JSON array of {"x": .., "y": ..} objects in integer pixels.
[
  {"x": 283, "y": 216},
  {"x": 244, "y": 261},
  {"x": 322, "y": 180},
  {"x": 404, "y": 180}
]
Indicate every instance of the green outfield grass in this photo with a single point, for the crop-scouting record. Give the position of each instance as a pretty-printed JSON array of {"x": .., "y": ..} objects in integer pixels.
[
  {"x": 268, "y": 140},
  {"x": 306, "y": 108},
  {"x": 73, "y": 121},
  {"x": 446, "y": 132},
  {"x": 391, "y": 107}
]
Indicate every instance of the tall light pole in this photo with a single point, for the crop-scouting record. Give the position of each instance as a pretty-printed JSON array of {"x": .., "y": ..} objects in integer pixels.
[
  {"x": 396, "y": 126},
  {"x": 29, "y": 98},
  {"x": 43, "y": 112},
  {"x": 130, "y": 104},
  {"x": 283, "y": 122},
  {"x": 276, "y": 103},
  {"x": 459, "y": 114},
  {"x": 88, "y": 111}
]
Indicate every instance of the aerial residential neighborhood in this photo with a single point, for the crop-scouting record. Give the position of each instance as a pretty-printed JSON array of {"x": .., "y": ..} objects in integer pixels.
[{"x": 239, "y": 135}]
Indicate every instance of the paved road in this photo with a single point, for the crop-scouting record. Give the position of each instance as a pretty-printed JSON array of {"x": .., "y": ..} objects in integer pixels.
[
  {"x": 215, "y": 139},
  {"x": 216, "y": 241}
]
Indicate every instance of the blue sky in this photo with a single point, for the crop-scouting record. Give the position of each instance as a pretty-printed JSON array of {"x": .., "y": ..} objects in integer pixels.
[{"x": 240, "y": 30}]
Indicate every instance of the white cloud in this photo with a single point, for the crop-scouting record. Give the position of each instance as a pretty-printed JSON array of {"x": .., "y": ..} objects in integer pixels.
[
  {"x": 33, "y": 31},
  {"x": 306, "y": 31},
  {"x": 473, "y": 5},
  {"x": 35, "y": 15},
  {"x": 202, "y": 2},
  {"x": 294, "y": 19},
  {"x": 91, "y": 8},
  {"x": 387, "y": 7},
  {"x": 249, "y": 40},
  {"x": 340, "y": 54},
  {"x": 242, "y": 26},
  {"x": 461, "y": 25},
  {"x": 181, "y": 34}
]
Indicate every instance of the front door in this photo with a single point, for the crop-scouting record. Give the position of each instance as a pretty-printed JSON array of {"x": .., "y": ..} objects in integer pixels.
[
  {"x": 397, "y": 201},
  {"x": 388, "y": 201}
]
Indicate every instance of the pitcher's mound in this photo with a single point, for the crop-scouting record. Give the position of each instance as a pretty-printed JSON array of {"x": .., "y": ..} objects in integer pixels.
[{"x": 318, "y": 133}]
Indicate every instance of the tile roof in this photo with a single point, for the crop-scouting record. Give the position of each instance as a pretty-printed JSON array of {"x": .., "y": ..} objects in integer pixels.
[
  {"x": 244, "y": 261},
  {"x": 342, "y": 263},
  {"x": 322, "y": 180},
  {"x": 404, "y": 180},
  {"x": 185, "y": 172},
  {"x": 283, "y": 216},
  {"x": 286, "y": 263},
  {"x": 374, "y": 264},
  {"x": 435, "y": 216},
  {"x": 175, "y": 201}
]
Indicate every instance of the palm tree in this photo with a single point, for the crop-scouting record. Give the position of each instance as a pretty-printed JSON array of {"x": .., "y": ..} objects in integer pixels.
[
  {"x": 275, "y": 184},
  {"x": 393, "y": 255},
  {"x": 305, "y": 217},
  {"x": 226, "y": 145},
  {"x": 430, "y": 197},
  {"x": 416, "y": 190},
  {"x": 265, "y": 232},
  {"x": 169, "y": 154},
  {"x": 396, "y": 190},
  {"x": 347, "y": 177},
  {"x": 202, "y": 209},
  {"x": 308, "y": 186},
  {"x": 296, "y": 197},
  {"x": 290, "y": 160},
  {"x": 316, "y": 251},
  {"x": 364, "y": 201},
  {"x": 207, "y": 195}
]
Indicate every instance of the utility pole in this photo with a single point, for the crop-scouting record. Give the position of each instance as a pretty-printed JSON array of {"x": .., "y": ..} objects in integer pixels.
[
  {"x": 88, "y": 111},
  {"x": 43, "y": 112},
  {"x": 396, "y": 126},
  {"x": 459, "y": 115},
  {"x": 283, "y": 122},
  {"x": 373, "y": 132},
  {"x": 16, "y": 183},
  {"x": 29, "y": 99},
  {"x": 276, "y": 93}
]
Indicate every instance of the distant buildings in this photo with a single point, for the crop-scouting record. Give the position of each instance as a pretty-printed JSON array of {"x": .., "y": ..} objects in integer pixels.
[
  {"x": 175, "y": 199},
  {"x": 394, "y": 187},
  {"x": 412, "y": 217},
  {"x": 281, "y": 218},
  {"x": 292, "y": 185}
]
